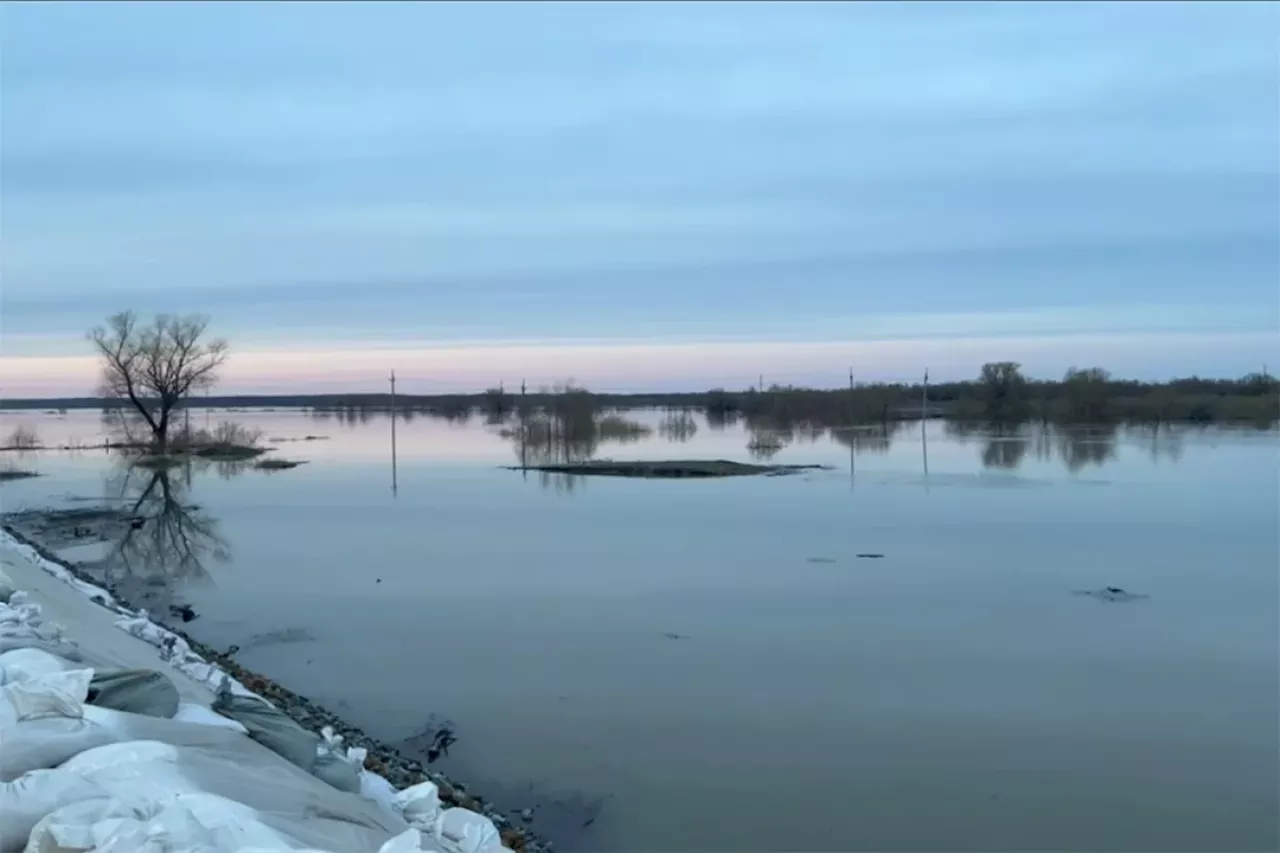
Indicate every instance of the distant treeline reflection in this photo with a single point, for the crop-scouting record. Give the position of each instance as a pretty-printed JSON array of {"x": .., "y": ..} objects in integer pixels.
[
  {"x": 570, "y": 424},
  {"x": 1002, "y": 393}
]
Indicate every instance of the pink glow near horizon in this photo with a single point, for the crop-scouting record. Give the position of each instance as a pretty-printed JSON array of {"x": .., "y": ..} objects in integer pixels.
[{"x": 672, "y": 366}]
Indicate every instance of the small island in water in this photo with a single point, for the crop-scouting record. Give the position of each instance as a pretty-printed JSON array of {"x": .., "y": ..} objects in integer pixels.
[{"x": 667, "y": 468}]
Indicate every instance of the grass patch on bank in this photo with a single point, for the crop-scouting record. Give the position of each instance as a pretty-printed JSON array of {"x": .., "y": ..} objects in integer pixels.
[
  {"x": 228, "y": 452},
  {"x": 669, "y": 468}
]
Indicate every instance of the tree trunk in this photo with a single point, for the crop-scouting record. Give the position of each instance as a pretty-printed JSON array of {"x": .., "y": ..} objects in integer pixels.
[{"x": 162, "y": 432}]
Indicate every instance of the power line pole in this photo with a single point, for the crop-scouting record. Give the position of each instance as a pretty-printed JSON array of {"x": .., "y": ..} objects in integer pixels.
[{"x": 524, "y": 461}]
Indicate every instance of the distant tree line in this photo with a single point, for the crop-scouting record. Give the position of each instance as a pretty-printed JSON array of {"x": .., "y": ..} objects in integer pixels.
[{"x": 1001, "y": 392}]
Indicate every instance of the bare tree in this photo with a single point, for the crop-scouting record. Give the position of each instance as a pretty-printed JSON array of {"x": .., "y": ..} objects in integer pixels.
[
  {"x": 153, "y": 367},
  {"x": 1003, "y": 390}
]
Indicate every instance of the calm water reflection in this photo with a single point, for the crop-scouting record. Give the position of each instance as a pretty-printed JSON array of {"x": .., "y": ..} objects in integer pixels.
[{"x": 709, "y": 665}]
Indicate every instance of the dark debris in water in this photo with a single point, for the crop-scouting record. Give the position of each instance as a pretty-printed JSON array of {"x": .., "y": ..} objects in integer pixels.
[
  {"x": 870, "y": 556},
  {"x": 822, "y": 560},
  {"x": 434, "y": 740},
  {"x": 183, "y": 612},
  {"x": 673, "y": 636},
  {"x": 1111, "y": 593}
]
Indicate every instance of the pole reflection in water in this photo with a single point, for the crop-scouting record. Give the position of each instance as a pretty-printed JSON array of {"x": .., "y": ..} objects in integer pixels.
[
  {"x": 924, "y": 450},
  {"x": 395, "y": 486}
]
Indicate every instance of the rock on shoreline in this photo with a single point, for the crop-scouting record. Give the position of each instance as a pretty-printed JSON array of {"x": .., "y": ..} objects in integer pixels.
[{"x": 384, "y": 760}]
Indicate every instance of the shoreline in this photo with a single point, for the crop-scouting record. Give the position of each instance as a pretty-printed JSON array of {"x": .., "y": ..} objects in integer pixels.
[{"x": 400, "y": 771}]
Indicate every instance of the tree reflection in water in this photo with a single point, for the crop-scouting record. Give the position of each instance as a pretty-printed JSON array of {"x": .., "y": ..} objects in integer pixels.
[
  {"x": 876, "y": 438},
  {"x": 1006, "y": 446},
  {"x": 678, "y": 427},
  {"x": 571, "y": 430},
  {"x": 168, "y": 544},
  {"x": 765, "y": 444},
  {"x": 1084, "y": 446}
]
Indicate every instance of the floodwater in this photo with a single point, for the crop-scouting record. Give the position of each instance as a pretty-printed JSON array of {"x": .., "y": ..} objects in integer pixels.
[{"x": 709, "y": 665}]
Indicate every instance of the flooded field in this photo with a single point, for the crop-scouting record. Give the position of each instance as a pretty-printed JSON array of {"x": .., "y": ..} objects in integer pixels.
[{"x": 948, "y": 638}]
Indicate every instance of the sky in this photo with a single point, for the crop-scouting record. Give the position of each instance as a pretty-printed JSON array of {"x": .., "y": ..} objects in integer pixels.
[{"x": 642, "y": 196}]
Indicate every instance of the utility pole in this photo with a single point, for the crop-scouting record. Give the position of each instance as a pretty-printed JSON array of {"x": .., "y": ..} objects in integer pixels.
[
  {"x": 760, "y": 384},
  {"x": 924, "y": 396},
  {"x": 524, "y": 462}
]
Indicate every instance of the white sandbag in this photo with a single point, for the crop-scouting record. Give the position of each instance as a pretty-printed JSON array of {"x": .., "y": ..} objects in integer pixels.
[
  {"x": 186, "y": 822},
  {"x": 27, "y": 799},
  {"x": 464, "y": 831},
  {"x": 115, "y": 755},
  {"x": 128, "y": 726},
  {"x": 409, "y": 841},
  {"x": 194, "y": 819},
  {"x": 15, "y": 617},
  {"x": 419, "y": 805},
  {"x": 290, "y": 800},
  {"x": 70, "y": 828},
  {"x": 177, "y": 652},
  {"x": 330, "y": 746},
  {"x": 54, "y": 645},
  {"x": 137, "y": 772},
  {"x": 377, "y": 788},
  {"x": 46, "y": 742},
  {"x": 59, "y": 694},
  {"x": 7, "y": 587},
  {"x": 192, "y": 712},
  {"x": 26, "y": 664},
  {"x": 24, "y": 629}
]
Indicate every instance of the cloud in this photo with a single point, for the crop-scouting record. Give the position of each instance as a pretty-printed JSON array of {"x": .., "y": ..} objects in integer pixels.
[{"x": 567, "y": 171}]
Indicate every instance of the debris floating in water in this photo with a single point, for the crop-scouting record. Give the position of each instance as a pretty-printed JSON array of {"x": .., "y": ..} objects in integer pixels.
[
  {"x": 819, "y": 560},
  {"x": 183, "y": 612},
  {"x": 1111, "y": 593},
  {"x": 440, "y": 743},
  {"x": 870, "y": 556},
  {"x": 672, "y": 636}
]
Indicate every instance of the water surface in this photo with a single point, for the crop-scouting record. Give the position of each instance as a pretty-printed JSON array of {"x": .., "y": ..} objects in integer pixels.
[{"x": 709, "y": 665}]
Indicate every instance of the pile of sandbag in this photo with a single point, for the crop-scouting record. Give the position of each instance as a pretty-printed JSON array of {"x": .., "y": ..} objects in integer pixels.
[{"x": 107, "y": 760}]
